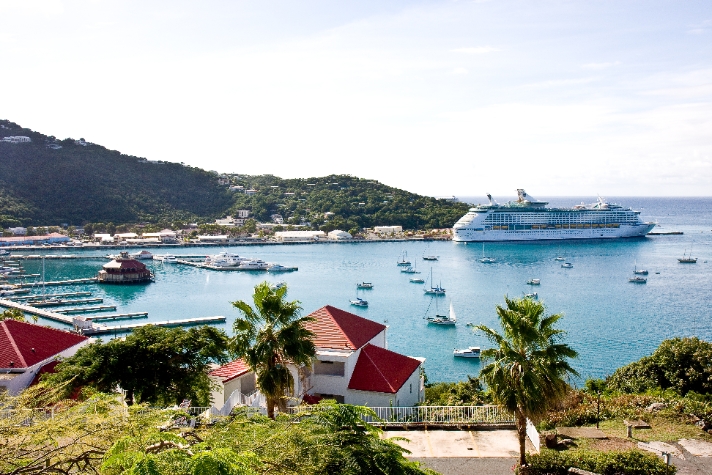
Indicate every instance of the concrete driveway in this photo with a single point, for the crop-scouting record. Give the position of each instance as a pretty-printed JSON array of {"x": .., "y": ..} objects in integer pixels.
[{"x": 458, "y": 443}]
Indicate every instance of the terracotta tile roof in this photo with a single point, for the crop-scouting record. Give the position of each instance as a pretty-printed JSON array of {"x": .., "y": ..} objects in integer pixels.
[
  {"x": 25, "y": 344},
  {"x": 231, "y": 370},
  {"x": 381, "y": 370},
  {"x": 338, "y": 329}
]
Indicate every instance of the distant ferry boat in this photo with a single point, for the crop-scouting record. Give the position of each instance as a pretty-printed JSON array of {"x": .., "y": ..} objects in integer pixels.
[{"x": 528, "y": 219}]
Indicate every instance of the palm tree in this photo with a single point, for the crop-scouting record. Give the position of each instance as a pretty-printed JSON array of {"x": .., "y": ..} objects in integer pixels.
[
  {"x": 271, "y": 336},
  {"x": 528, "y": 366}
]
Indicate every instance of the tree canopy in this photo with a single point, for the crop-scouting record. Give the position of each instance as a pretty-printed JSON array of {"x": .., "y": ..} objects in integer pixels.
[
  {"x": 153, "y": 365},
  {"x": 526, "y": 370},
  {"x": 271, "y": 336},
  {"x": 681, "y": 364}
]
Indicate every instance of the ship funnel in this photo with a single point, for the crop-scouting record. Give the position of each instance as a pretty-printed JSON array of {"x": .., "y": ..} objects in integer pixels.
[{"x": 489, "y": 197}]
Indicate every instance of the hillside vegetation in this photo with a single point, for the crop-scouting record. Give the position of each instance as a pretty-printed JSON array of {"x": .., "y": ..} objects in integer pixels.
[{"x": 81, "y": 182}]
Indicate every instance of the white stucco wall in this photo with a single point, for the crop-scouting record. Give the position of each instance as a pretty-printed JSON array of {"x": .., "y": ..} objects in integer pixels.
[
  {"x": 245, "y": 384},
  {"x": 20, "y": 382}
]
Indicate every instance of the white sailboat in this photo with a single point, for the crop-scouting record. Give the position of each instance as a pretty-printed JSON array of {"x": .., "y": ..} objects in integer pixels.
[
  {"x": 485, "y": 259},
  {"x": 434, "y": 290}
]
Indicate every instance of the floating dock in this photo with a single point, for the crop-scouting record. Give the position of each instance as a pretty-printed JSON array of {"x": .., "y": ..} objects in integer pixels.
[
  {"x": 90, "y": 280},
  {"x": 64, "y": 303},
  {"x": 99, "y": 308},
  {"x": 36, "y": 257},
  {"x": 50, "y": 296},
  {"x": 118, "y": 316},
  {"x": 97, "y": 329}
]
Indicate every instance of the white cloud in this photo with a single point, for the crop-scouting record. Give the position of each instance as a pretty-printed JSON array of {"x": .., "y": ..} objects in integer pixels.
[
  {"x": 459, "y": 71},
  {"x": 476, "y": 50}
]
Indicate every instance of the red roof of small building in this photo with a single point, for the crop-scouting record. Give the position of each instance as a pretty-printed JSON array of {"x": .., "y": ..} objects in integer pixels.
[
  {"x": 381, "y": 370},
  {"x": 338, "y": 329},
  {"x": 124, "y": 264},
  {"x": 24, "y": 344},
  {"x": 231, "y": 370}
]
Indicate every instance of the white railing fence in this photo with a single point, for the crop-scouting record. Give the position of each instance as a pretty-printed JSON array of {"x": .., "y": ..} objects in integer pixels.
[{"x": 436, "y": 415}]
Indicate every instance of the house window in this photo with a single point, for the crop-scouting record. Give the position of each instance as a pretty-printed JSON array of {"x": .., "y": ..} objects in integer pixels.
[{"x": 329, "y": 368}]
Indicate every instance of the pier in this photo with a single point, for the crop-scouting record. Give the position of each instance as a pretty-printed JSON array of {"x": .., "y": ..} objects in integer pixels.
[
  {"x": 90, "y": 280},
  {"x": 118, "y": 316},
  {"x": 57, "y": 317},
  {"x": 61, "y": 303},
  {"x": 97, "y": 329},
  {"x": 51, "y": 296},
  {"x": 99, "y": 308}
]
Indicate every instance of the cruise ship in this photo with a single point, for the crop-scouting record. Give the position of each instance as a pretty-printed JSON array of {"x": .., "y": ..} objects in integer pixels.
[{"x": 528, "y": 219}]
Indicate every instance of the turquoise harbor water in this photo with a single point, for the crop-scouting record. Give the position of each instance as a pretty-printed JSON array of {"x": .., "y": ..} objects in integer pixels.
[{"x": 609, "y": 320}]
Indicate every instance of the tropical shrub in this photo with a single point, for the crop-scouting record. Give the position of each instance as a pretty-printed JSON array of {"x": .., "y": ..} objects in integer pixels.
[{"x": 632, "y": 462}]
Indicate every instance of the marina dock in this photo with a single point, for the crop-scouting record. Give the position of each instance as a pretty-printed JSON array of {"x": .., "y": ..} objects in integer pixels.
[
  {"x": 64, "y": 303},
  {"x": 118, "y": 316},
  {"x": 99, "y": 308},
  {"x": 57, "y": 317},
  {"x": 51, "y": 296},
  {"x": 90, "y": 280},
  {"x": 97, "y": 329}
]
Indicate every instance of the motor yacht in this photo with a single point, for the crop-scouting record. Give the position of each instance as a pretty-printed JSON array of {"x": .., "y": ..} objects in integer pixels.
[{"x": 471, "y": 352}]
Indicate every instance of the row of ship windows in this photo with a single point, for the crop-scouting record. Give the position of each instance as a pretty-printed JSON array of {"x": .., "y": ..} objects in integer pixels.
[
  {"x": 551, "y": 221},
  {"x": 524, "y": 227}
]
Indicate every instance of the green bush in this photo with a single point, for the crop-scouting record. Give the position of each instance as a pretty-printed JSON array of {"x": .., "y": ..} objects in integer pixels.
[
  {"x": 632, "y": 462},
  {"x": 681, "y": 364},
  {"x": 461, "y": 393}
]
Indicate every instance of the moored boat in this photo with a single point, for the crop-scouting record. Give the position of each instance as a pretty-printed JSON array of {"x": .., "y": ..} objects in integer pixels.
[
  {"x": 471, "y": 352},
  {"x": 364, "y": 285},
  {"x": 638, "y": 280},
  {"x": 534, "y": 281},
  {"x": 567, "y": 265},
  {"x": 359, "y": 302}
]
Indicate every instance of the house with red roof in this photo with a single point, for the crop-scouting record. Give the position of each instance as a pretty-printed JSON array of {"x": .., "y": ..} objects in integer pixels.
[
  {"x": 229, "y": 378},
  {"x": 354, "y": 366},
  {"x": 27, "y": 350}
]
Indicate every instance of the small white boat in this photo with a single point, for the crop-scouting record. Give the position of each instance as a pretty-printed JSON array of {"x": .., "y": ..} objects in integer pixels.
[
  {"x": 533, "y": 296},
  {"x": 404, "y": 260},
  {"x": 278, "y": 285},
  {"x": 434, "y": 290},
  {"x": 409, "y": 270},
  {"x": 141, "y": 255},
  {"x": 3, "y": 252},
  {"x": 364, "y": 285},
  {"x": 638, "y": 280},
  {"x": 444, "y": 319},
  {"x": 637, "y": 271},
  {"x": 567, "y": 265},
  {"x": 471, "y": 352},
  {"x": 485, "y": 259},
  {"x": 534, "y": 282},
  {"x": 430, "y": 258},
  {"x": 417, "y": 280},
  {"x": 278, "y": 268},
  {"x": 253, "y": 264},
  {"x": 559, "y": 258},
  {"x": 166, "y": 258},
  {"x": 359, "y": 302}
]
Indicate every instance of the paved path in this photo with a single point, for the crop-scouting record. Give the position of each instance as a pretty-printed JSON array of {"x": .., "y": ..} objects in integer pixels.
[
  {"x": 469, "y": 466},
  {"x": 459, "y": 443}
]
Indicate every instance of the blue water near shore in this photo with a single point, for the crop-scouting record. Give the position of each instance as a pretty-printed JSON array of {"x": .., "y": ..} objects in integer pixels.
[{"x": 609, "y": 321}]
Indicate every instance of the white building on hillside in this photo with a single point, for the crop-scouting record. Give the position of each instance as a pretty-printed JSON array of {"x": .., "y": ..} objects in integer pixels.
[
  {"x": 17, "y": 139},
  {"x": 352, "y": 365},
  {"x": 388, "y": 229},
  {"x": 299, "y": 236},
  {"x": 338, "y": 235}
]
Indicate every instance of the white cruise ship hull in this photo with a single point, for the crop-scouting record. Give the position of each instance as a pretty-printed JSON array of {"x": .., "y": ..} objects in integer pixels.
[{"x": 624, "y": 231}]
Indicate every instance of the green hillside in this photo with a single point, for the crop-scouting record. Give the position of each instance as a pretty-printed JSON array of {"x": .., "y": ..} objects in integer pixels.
[
  {"x": 43, "y": 184},
  {"x": 77, "y": 184}
]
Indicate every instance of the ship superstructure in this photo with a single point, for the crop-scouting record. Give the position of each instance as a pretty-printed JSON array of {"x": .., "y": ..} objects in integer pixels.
[{"x": 528, "y": 219}]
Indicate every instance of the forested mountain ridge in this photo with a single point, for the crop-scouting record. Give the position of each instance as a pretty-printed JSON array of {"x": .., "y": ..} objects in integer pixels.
[
  {"x": 49, "y": 182},
  {"x": 74, "y": 183}
]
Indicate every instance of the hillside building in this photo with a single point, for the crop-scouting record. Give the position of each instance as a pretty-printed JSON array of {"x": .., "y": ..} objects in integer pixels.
[
  {"x": 338, "y": 235},
  {"x": 299, "y": 236},
  {"x": 124, "y": 270},
  {"x": 388, "y": 229},
  {"x": 27, "y": 351}
]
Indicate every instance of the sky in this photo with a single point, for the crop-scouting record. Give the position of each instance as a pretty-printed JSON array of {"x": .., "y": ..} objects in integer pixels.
[{"x": 562, "y": 98}]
